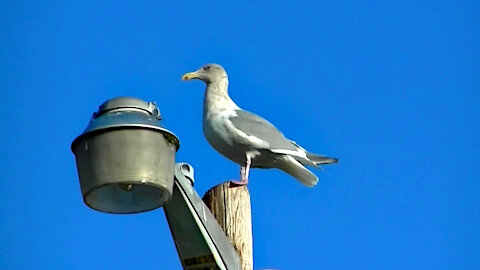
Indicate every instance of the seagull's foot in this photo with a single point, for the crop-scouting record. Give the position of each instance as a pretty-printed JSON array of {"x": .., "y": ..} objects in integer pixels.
[
  {"x": 243, "y": 177},
  {"x": 235, "y": 183}
]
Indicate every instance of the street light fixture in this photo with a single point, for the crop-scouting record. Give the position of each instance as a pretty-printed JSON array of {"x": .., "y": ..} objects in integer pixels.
[
  {"x": 126, "y": 164},
  {"x": 125, "y": 158}
]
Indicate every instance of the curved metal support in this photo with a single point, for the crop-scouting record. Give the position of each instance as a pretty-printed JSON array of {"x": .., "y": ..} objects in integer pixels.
[{"x": 200, "y": 242}]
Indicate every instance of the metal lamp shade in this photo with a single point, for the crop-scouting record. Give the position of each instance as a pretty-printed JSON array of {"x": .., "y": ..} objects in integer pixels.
[{"x": 125, "y": 164}]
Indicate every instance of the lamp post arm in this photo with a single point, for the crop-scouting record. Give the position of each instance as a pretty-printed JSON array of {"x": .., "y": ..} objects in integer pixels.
[{"x": 199, "y": 239}]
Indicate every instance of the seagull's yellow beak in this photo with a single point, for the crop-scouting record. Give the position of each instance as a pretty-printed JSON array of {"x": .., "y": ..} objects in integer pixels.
[{"x": 189, "y": 76}]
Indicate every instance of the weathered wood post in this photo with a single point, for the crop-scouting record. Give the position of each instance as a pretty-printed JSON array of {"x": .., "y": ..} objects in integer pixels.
[{"x": 231, "y": 207}]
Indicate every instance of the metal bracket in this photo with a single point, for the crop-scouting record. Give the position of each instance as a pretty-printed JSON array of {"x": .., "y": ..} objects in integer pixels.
[{"x": 199, "y": 239}]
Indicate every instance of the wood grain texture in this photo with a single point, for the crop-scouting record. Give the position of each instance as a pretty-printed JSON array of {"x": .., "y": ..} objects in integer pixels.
[{"x": 231, "y": 207}]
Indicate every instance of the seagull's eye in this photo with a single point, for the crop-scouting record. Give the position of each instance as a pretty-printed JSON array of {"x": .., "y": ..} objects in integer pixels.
[{"x": 206, "y": 67}]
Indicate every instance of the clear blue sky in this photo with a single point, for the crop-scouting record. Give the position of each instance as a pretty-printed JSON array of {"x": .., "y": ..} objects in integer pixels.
[{"x": 390, "y": 88}]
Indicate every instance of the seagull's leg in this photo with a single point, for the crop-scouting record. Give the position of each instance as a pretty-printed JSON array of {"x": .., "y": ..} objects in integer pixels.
[
  {"x": 244, "y": 171},
  {"x": 247, "y": 169},
  {"x": 242, "y": 174}
]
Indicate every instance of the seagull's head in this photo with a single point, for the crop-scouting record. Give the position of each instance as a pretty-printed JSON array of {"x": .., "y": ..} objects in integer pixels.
[{"x": 208, "y": 73}]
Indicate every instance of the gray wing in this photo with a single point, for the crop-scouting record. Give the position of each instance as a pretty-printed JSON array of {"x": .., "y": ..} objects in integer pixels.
[{"x": 254, "y": 125}]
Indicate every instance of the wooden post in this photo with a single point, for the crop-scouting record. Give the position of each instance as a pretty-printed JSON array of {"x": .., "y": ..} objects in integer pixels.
[{"x": 231, "y": 207}]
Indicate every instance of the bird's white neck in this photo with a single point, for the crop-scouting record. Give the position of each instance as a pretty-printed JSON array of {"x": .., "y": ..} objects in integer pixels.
[{"x": 216, "y": 98}]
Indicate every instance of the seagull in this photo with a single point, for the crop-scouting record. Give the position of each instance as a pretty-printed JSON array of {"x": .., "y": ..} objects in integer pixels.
[{"x": 246, "y": 138}]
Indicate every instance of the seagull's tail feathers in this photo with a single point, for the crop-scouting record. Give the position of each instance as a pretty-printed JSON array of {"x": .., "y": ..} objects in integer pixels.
[
  {"x": 319, "y": 160},
  {"x": 294, "y": 168},
  {"x": 307, "y": 158}
]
